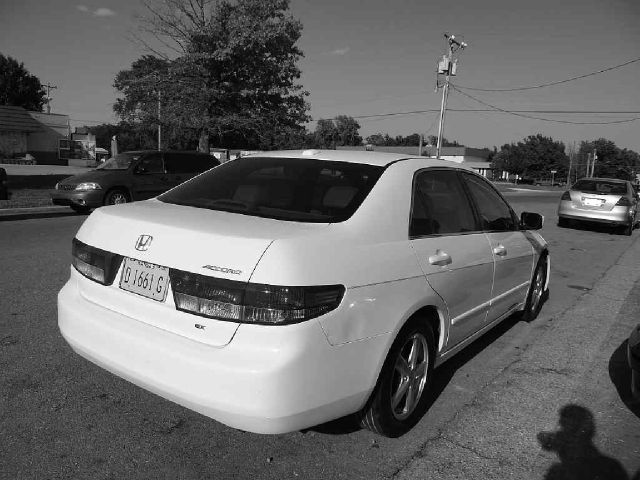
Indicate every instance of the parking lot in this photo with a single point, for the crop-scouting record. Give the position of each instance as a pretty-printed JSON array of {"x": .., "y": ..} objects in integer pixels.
[{"x": 62, "y": 417}]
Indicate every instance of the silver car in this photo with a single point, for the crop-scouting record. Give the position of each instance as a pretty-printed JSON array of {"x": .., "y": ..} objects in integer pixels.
[{"x": 603, "y": 200}]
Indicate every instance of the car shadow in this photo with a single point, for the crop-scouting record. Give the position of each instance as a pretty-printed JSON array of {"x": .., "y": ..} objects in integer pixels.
[
  {"x": 620, "y": 375},
  {"x": 578, "y": 457},
  {"x": 29, "y": 215},
  {"x": 441, "y": 378},
  {"x": 596, "y": 227}
]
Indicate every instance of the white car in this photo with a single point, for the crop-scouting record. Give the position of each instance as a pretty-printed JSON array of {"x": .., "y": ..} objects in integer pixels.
[{"x": 282, "y": 290}]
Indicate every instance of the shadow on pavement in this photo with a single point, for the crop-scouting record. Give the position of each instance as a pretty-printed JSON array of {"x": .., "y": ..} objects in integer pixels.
[
  {"x": 596, "y": 227},
  {"x": 579, "y": 457},
  {"x": 30, "y": 215},
  {"x": 620, "y": 375}
]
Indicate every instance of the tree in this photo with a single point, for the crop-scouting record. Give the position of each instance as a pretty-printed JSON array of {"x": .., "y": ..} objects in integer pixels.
[
  {"x": 231, "y": 66},
  {"x": 611, "y": 161},
  {"x": 18, "y": 87},
  {"x": 347, "y": 131},
  {"x": 535, "y": 156},
  {"x": 325, "y": 134},
  {"x": 433, "y": 140}
]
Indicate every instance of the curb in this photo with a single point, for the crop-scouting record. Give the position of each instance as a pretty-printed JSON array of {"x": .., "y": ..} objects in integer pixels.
[{"x": 7, "y": 214}]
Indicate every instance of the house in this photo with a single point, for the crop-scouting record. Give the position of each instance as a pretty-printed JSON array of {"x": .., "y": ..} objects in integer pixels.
[
  {"x": 35, "y": 133},
  {"x": 476, "y": 158},
  {"x": 15, "y": 127},
  {"x": 43, "y": 145}
]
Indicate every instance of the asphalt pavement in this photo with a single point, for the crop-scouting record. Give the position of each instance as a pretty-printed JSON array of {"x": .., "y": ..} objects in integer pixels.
[{"x": 544, "y": 400}]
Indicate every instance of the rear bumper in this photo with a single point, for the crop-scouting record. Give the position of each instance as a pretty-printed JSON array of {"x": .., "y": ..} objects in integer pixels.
[
  {"x": 266, "y": 380},
  {"x": 615, "y": 216},
  {"x": 88, "y": 198}
]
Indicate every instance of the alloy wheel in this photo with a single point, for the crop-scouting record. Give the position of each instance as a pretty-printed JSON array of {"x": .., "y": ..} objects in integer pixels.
[
  {"x": 538, "y": 288},
  {"x": 410, "y": 376}
]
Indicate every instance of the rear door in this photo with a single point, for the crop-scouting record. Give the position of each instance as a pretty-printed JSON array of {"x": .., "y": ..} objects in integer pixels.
[
  {"x": 453, "y": 254},
  {"x": 149, "y": 177},
  {"x": 512, "y": 252}
]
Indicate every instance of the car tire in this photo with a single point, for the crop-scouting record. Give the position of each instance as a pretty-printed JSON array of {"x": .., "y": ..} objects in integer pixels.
[
  {"x": 400, "y": 396},
  {"x": 536, "y": 293},
  {"x": 116, "y": 196},
  {"x": 563, "y": 222},
  {"x": 628, "y": 229},
  {"x": 80, "y": 209}
]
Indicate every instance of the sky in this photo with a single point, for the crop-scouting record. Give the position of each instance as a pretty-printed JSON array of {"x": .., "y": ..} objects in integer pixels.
[{"x": 378, "y": 57}]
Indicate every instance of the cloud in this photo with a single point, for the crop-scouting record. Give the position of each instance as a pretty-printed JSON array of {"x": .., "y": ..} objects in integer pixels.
[
  {"x": 98, "y": 12},
  {"x": 340, "y": 51},
  {"x": 104, "y": 12}
]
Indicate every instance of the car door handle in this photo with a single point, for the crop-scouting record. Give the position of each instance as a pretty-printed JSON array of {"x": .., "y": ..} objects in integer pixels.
[
  {"x": 500, "y": 250},
  {"x": 440, "y": 258}
]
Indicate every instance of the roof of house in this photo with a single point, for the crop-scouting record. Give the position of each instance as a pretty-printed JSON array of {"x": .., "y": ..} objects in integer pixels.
[{"x": 17, "y": 119}]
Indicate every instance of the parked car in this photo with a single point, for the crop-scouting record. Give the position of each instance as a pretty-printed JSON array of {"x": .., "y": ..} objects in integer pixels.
[
  {"x": 547, "y": 182},
  {"x": 633, "y": 356},
  {"x": 130, "y": 176},
  {"x": 604, "y": 200},
  {"x": 282, "y": 290}
]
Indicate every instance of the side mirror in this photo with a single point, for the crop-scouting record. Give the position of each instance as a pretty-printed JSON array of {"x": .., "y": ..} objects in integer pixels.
[{"x": 531, "y": 221}]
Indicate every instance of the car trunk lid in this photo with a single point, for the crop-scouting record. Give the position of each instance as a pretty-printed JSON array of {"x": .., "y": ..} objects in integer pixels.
[
  {"x": 594, "y": 201},
  {"x": 211, "y": 243}
]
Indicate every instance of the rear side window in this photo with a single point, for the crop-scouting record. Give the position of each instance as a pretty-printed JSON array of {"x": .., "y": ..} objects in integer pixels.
[
  {"x": 176, "y": 162},
  {"x": 495, "y": 214},
  {"x": 152, "y": 163},
  {"x": 603, "y": 187},
  {"x": 296, "y": 189},
  {"x": 439, "y": 206}
]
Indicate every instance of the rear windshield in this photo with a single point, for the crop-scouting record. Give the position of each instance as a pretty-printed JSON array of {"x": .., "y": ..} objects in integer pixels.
[
  {"x": 600, "y": 186},
  {"x": 122, "y": 161},
  {"x": 296, "y": 189}
]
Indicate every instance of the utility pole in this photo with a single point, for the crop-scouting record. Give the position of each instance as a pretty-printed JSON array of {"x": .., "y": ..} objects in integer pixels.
[
  {"x": 593, "y": 163},
  {"x": 572, "y": 152},
  {"x": 159, "y": 126},
  {"x": 446, "y": 66},
  {"x": 49, "y": 88}
]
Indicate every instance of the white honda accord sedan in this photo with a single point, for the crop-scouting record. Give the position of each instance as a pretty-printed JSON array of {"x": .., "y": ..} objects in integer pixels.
[{"x": 286, "y": 289}]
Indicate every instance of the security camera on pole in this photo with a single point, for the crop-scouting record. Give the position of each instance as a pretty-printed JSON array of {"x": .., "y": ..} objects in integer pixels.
[{"x": 446, "y": 66}]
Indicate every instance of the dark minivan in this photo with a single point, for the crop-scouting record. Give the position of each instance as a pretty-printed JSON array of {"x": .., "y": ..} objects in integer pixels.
[{"x": 130, "y": 176}]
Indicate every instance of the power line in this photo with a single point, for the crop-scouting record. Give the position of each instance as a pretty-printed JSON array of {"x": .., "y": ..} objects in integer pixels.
[
  {"x": 515, "y": 89},
  {"x": 541, "y": 118},
  {"x": 493, "y": 109}
]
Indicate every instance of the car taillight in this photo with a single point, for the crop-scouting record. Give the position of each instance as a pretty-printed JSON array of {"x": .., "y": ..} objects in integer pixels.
[
  {"x": 95, "y": 264},
  {"x": 251, "y": 302},
  {"x": 623, "y": 202},
  {"x": 566, "y": 196}
]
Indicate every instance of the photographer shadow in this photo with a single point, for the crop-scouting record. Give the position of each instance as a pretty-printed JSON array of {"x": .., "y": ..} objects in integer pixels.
[{"x": 579, "y": 457}]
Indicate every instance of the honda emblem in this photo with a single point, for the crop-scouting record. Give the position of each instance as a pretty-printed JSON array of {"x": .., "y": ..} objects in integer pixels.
[{"x": 143, "y": 243}]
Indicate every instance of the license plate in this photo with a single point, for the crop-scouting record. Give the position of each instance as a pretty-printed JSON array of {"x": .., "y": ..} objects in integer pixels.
[
  {"x": 146, "y": 279},
  {"x": 592, "y": 202}
]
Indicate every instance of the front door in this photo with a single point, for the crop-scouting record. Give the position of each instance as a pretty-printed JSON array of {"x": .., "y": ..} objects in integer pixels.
[
  {"x": 453, "y": 254},
  {"x": 513, "y": 253}
]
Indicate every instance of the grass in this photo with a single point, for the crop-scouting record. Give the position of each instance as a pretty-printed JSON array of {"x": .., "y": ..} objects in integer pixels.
[{"x": 27, "y": 197}]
